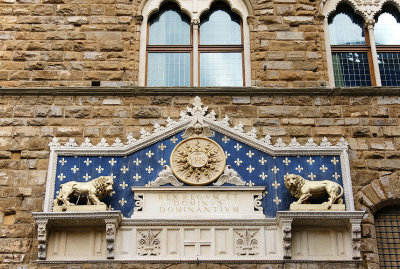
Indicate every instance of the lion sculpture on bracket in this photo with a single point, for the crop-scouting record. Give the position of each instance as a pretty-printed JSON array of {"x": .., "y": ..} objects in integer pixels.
[
  {"x": 94, "y": 190},
  {"x": 304, "y": 189}
]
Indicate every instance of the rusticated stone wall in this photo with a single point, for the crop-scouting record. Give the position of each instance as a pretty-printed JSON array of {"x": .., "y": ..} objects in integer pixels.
[
  {"x": 72, "y": 43},
  {"x": 28, "y": 123}
]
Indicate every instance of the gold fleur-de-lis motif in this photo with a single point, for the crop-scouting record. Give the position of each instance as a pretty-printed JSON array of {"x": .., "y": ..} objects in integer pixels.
[
  {"x": 237, "y": 146},
  {"x": 112, "y": 161},
  {"x": 111, "y": 193},
  {"x": 312, "y": 176},
  {"x": 277, "y": 200},
  {"x": 149, "y": 153},
  {"x": 250, "y": 169},
  {"x": 137, "y": 161},
  {"x": 123, "y": 201},
  {"x": 275, "y": 169},
  {"x": 262, "y": 161},
  {"x": 286, "y": 161},
  {"x": 227, "y": 154},
  {"x": 149, "y": 169},
  {"x": 112, "y": 175},
  {"x": 323, "y": 168},
  {"x": 124, "y": 169},
  {"x": 336, "y": 176},
  {"x": 174, "y": 139},
  {"x": 311, "y": 161},
  {"x": 250, "y": 154},
  {"x": 225, "y": 139},
  {"x": 238, "y": 162},
  {"x": 62, "y": 161},
  {"x": 86, "y": 177},
  {"x": 99, "y": 169},
  {"x": 162, "y": 147},
  {"x": 334, "y": 161},
  {"x": 162, "y": 161},
  {"x": 75, "y": 169},
  {"x": 136, "y": 177},
  {"x": 263, "y": 176},
  {"x": 276, "y": 184},
  {"x": 123, "y": 185},
  {"x": 299, "y": 168},
  {"x": 87, "y": 161},
  {"x": 250, "y": 183},
  {"x": 61, "y": 176}
]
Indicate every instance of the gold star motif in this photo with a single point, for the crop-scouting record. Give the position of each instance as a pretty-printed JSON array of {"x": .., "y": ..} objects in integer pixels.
[
  {"x": 112, "y": 161},
  {"x": 137, "y": 161},
  {"x": 286, "y": 161},
  {"x": 122, "y": 201},
  {"x": 149, "y": 154},
  {"x": 162, "y": 147},
  {"x": 310, "y": 161},
  {"x": 75, "y": 169},
  {"x": 87, "y": 161},
  {"x": 62, "y": 161},
  {"x": 238, "y": 162},
  {"x": 225, "y": 139},
  {"x": 124, "y": 169},
  {"x": 136, "y": 177},
  {"x": 263, "y": 176},
  {"x": 123, "y": 185},
  {"x": 250, "y": 169},
  {"x": 323, "y": 168}
]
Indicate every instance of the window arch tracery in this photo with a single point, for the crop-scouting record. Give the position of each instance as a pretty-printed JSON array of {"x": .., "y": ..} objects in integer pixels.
[{"x": 196, "y": 11}]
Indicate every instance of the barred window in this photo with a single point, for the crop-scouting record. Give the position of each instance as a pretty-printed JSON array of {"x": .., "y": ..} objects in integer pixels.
[{"x": 387, "y": 225}]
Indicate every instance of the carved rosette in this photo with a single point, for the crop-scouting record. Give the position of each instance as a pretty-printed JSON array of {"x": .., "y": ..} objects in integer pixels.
[
  {"x": 246, "y": 243},
  {"x": 197, "y": 161},
  {"x": 42, "y": 239},
  {"x": 148, "y": 243}
]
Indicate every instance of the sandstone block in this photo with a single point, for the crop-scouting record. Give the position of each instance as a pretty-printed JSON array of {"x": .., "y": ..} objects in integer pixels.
[
  {"x": 289, "y": 36},
  {"x": 23, "y": 111},
  {"x": 386, "y": 165},
  {"x": 241, "y": 100},
  {"x": 272, "y": 111},
  {"x": 13, "y": 245},
  {"x": 69, "y": 131},
  {"x": 279, "y": 65},
  {"x": 111, "y": 46},
  {"x": 147, "y": 112},
  {"x": 77, "y": 111}
]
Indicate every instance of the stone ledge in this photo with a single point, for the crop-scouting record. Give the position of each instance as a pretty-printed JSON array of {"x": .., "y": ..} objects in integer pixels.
[{"x": 233, "y": 91}]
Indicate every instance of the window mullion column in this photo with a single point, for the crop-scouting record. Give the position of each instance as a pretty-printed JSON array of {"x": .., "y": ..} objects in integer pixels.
[
  {"x": 195, "y": 27},
  {"x": 374, "y": 54}
]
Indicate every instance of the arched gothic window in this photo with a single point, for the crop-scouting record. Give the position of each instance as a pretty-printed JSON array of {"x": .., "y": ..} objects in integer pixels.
[
  {"x": 387, "y": 39},
  {"x": 221, "y": 47},
  {"x": 387, "y": 227},
  {"x": 182, "y": 44},
  {"x": 169, "y": 48},
  {"x": 350, "y": 49}
]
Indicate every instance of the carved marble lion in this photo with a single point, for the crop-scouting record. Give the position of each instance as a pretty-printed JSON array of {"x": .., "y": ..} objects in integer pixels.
[
  {"x": 95, "y": 190},
  {"x": 305, "y": 189}
]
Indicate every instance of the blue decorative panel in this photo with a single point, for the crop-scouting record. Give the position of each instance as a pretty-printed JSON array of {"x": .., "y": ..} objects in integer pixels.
[{"x": 255, "y": 167}]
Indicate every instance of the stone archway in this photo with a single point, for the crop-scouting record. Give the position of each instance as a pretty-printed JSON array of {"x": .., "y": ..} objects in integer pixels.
[{"x": 380, "y": 193}]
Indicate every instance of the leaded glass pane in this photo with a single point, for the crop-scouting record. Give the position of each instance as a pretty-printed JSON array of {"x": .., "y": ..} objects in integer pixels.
[
  {"x": 168, "y": 69},
  {"x": 387, "y": 223},
  {"x": 387, "y": 27},
  {"x": 351, "y": 69},
  {"x": 345, "y": 28},
  {"x": 389, "y": 68},
  {"x": 169, "y": 27},
  {"x": 221, "y": 69},
  {"x": 220, "y": 27}
]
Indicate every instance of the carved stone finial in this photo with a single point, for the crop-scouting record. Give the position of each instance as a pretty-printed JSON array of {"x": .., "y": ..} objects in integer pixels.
[{"x": 197, "y": 127}]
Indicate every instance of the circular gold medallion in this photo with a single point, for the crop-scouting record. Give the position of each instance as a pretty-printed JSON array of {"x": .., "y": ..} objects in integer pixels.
[{"x": 197, "y": 161}]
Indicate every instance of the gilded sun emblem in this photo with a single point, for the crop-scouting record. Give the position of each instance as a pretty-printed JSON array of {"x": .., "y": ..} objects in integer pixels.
[{"x": 197, "y": 161}]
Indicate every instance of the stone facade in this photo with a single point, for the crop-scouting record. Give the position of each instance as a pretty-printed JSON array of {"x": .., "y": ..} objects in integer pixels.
[
  {"x": 72, "y": 43},
  {"x": 28, "y": 123}
]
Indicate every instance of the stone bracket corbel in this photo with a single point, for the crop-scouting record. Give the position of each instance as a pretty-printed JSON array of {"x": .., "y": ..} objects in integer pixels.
[
  {"x": 356, "y": 238},
  {"x": 111, "y": 231},
  {"x": 42, "y": 238},
  {"x": 286, "y": 228}
]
